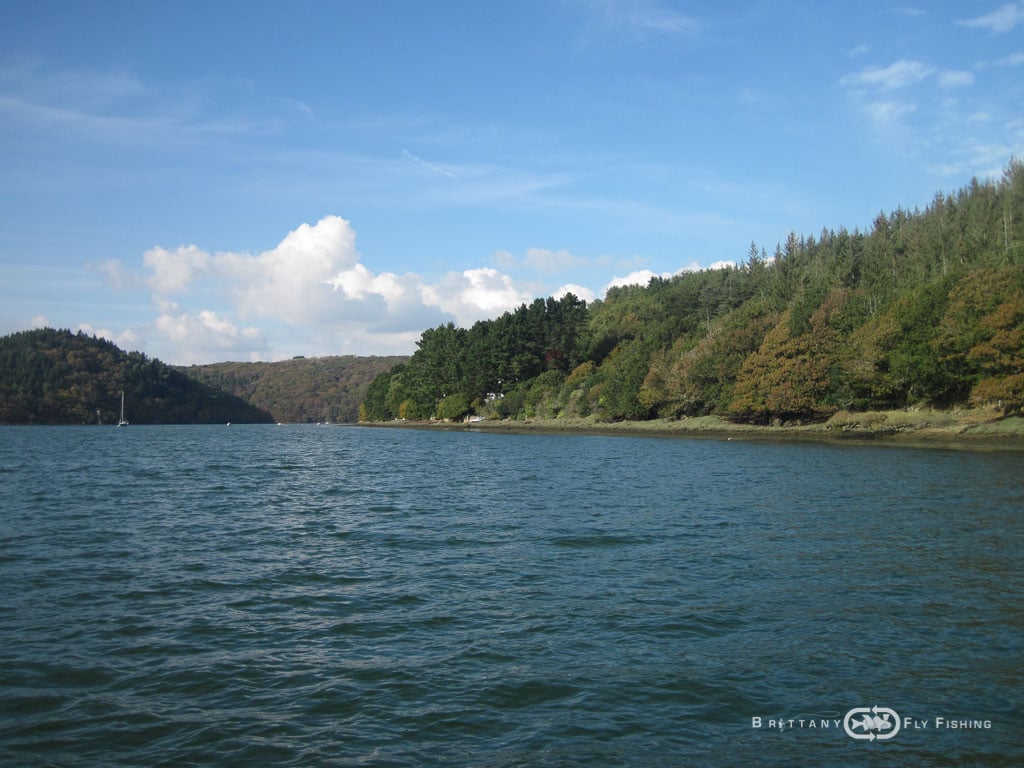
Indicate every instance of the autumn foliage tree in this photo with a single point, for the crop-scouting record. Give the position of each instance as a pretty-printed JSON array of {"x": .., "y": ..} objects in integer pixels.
[{"x": 921, "y": 309}]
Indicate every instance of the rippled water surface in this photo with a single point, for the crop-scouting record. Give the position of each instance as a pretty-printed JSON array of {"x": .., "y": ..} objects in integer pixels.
[{"x": 344, "y": 596}]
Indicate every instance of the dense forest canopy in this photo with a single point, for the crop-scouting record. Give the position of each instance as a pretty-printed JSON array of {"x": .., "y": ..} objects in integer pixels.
[
  {"x": 301, "y": 390},
  {"x": 925, "y": 308},
  {"x": 52, "y": 376}
]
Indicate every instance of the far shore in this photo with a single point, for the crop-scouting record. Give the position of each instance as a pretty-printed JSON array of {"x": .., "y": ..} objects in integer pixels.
[{"x": 941, "y": 429}]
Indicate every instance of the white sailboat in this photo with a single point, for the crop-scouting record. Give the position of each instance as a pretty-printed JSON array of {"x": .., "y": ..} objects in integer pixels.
[{"x": 122, "y": 422}]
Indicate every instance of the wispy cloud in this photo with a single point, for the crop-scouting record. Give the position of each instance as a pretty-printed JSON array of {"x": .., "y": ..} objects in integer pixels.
[
  {"x": 434, "y": 167},
  {"x": 82, "y": 122},
  {"x": 1013, "y": 60},
  {"x": 889, "y": 112},
  {"x": 120, "y": 107},
  {"x": 955, "y": 79},
  {"x": 1003, "y": 19},
  {"x": 874, "y": 88},
  {"x": 88, "y": 88},
  {"x": 302, "y": 107},
  {"x": 899, "y": 74},
  {"x": 642, "y": 17},
  {"x": 546, "y": 260}
]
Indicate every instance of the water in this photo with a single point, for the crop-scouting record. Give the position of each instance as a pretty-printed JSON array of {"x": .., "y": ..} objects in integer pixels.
[{"x": 307, "y": 596}]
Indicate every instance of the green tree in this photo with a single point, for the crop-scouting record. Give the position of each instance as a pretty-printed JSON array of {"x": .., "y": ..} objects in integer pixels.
[{"x": 453, "y": 407}]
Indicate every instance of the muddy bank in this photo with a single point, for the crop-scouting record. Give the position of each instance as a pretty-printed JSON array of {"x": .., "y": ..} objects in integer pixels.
[{"x": 956, "y": 429}]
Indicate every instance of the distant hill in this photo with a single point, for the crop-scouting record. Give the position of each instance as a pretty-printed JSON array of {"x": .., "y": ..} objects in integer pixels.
[
  {"x": 302, "y": 389},
  {"x": 53, "y": 376}
]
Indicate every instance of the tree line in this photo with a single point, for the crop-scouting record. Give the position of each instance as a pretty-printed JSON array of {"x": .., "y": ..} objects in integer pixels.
[{"x": 924, "y": 308}]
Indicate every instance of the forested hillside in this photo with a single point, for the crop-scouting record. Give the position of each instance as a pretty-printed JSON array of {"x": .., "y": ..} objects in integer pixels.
[
  {"x": 56, "y": 377},
  {"x": 300, "y": 390},
  {"x": 925, "y": 308}
]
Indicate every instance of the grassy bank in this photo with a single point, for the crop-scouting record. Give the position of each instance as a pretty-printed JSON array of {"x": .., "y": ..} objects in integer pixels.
[{"x": 956, "y": 428}]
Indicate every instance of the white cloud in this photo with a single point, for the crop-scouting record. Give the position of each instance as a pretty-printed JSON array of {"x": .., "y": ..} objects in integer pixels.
[
  {"x": 126, "y": 339},
  {"x": 644, "y": 16},
  {"x": 897, "y": 75},
  {"x": 114, "y": 273},
  {"x": 889, "y": 111},
  {"x": 1003, "y": 19},
  {"x": 640, "y": 277},
  {"x": 955, "y": 79},
  {"x": 475, "y": 294},
  {"x": 643, "y": 276},
  {"x": 39, "y": 321},
  {"x": 170, "y": 271},
  {"x": 505, "y": 259},
  {"x": 207, "y": 337},
  {"x": 295, "y": 281},
  {"x": 440, "y": 170},
  {"x": 311, "y": 288},
  {"x": 579, "y": 291}
]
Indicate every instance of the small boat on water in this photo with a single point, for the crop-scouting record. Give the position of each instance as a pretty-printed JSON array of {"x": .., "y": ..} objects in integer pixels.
[{"x": 122, "y": 422}]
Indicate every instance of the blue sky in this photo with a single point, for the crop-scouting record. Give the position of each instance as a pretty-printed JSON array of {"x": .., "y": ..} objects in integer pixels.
[{"x": 208, "y": 181}]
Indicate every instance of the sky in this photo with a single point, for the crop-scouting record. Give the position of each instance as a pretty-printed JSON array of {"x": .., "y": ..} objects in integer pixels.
[{"x": 206, "y": 181}]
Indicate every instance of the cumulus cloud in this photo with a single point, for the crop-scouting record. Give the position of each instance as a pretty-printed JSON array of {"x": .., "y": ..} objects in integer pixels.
[
  {"x": 293, "y": 281},
  {"x": 475, "y": 294},
  {"x": 643, "y": 276},
  {"x": 126, "y": 339},
  {"x": 171, "y": 272},
  {"x": 638, "y": 277},
  {"x": 1003, "y": 19},
  {"x": 311, "y": 288},
  {"x": 579, "y": 291},
  {"x": 206, "y": 336}
]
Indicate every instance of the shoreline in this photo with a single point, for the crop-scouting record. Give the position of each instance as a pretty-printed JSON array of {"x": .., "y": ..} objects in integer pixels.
[{"x": 936, "y": 429}]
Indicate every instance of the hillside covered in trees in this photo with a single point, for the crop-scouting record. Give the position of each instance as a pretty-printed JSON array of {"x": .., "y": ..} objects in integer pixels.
[
  {"x": 926, "y": 308},
  {"x": 299, "y": 390},
  {"x": 57, "y": 377}
]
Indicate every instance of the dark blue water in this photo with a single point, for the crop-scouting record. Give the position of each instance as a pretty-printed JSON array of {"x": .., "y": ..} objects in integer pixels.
[{"x": 312, "y": 596}]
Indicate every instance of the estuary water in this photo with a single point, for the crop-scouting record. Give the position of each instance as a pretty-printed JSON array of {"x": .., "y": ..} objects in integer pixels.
[{"x": 342, "y": 596}]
